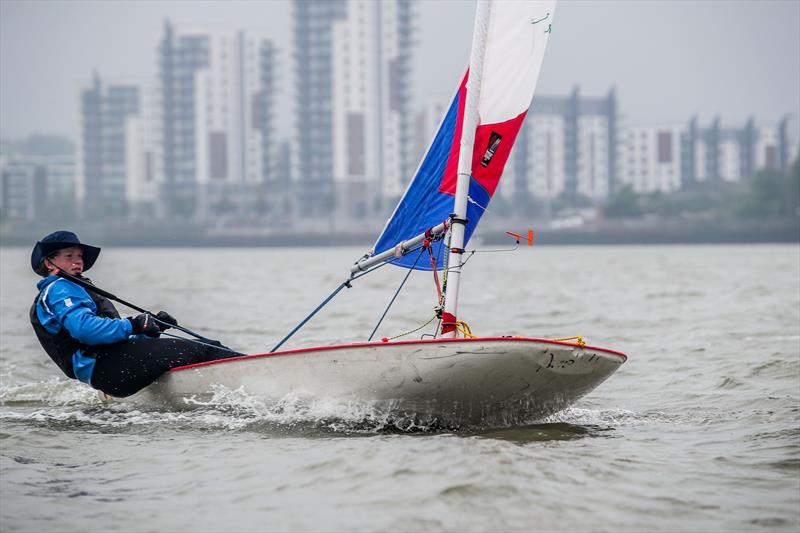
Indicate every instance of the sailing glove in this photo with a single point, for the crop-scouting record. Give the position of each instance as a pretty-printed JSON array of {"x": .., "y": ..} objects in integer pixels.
[
  {"x": 144, "y": 324},
  {"x": 165, "y": 320}
]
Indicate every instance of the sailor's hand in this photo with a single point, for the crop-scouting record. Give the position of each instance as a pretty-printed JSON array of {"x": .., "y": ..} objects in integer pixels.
[
  {"x": 165, "y": 320},
  {"x": 144, "y": 324}
]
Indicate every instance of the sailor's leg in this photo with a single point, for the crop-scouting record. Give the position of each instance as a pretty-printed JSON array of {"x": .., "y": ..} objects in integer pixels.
[{"x": 124, "y": 368}]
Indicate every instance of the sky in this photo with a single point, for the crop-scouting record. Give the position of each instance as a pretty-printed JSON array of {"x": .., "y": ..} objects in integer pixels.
[{"x": 667, "y": 60}]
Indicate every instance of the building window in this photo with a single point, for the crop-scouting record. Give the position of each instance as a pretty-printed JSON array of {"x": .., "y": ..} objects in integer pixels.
[
  {"x": 218, "y": 155},
  {"x": 771, "y": 157},
  {"x": 664, "y": 147},
  {"x": 355, "y": 142}
]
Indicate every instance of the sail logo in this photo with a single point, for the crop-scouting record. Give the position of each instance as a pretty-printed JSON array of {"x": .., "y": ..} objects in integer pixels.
[
  {"x": 491, "y": 148},
  {"x": 549, "y": 26},
  {"x": 547, "y": 16}
]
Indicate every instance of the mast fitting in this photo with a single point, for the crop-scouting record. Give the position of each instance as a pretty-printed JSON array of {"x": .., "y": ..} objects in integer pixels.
[{"x": 455, "y": 219}]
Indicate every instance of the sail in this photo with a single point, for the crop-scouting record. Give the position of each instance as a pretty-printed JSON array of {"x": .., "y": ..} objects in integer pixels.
[{"x": 516, "y": 38}]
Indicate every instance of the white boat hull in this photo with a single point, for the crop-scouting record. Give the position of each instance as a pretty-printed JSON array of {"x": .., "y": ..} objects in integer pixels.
[{"x": 456, "y": 382}]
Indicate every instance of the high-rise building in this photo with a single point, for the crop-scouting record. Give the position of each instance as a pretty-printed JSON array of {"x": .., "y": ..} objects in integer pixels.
[
  {"x": 23, "y": 189},
  {"x": 61, "y": 178},
  {"x": 37, "y": 187},
  {"x": 371, "y": 103},
  {"x": 426, "y": 123},
  {"x": 566, "y": 148},
  {"x": 104, "y": 148},
  {"x": 141, "y": 177},
  {"x": 719, "y": 153},
  {"x": 652, "y": 157},
  {"x": 731, "y": 153},
  {"x": 767, "y": 153},
  {"x": 216, "y": 99},
  {"x": 538, "y": 166},
  {"x": 313, "y": 22}
]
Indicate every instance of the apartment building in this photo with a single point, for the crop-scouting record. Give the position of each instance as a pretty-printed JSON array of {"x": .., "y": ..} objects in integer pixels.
[
  {"x": 216, "y": 96},
  {"x": 566, "y": 147},
  {"x": 106, "y": 149}
]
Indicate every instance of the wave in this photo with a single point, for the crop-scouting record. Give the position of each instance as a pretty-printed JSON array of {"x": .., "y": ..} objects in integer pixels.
[
  {"x": 777, "y": 367},
  {"x": 61, "y": 403},
  {"x": 52, "y": 392},
  {"x": 613, "y": 418},
  {"x": 729, "y": 383},
  {"x": 57, "y": 402}
]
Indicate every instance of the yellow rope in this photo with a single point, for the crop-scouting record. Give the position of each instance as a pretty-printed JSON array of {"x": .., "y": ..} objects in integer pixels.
[
  {"x": 412, "y": 331},
  {"x": 463, "y": 328},
  {"x": 577, "y": 338}
]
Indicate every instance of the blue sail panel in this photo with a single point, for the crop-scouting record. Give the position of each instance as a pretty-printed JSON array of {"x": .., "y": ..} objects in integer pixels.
[
  {"x": 423, "y": 205},
  {"x": 428, "y": 201},
  {"x": 516, "y": 37}
]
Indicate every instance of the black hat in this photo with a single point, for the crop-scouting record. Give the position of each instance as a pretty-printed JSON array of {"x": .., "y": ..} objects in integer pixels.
[{"x": 62, "y": 239}]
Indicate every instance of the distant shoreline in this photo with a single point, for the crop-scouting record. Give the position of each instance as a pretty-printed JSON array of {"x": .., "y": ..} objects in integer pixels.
[{"x": 608, "y": 233}]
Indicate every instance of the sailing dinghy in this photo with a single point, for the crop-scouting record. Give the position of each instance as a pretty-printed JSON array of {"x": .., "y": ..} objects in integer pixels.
[{"x": 453, "y": 378}]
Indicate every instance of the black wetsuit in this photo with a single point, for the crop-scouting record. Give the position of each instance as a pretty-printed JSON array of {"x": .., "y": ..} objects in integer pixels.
[
  {"x": 77, "y": 329},
  {"x": 127, "y": 367}
]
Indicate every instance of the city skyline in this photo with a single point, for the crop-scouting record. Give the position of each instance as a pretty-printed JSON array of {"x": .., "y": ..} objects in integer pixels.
[
  {"x": 725, "y": 60},
  {"x": 213, "y": 137}
]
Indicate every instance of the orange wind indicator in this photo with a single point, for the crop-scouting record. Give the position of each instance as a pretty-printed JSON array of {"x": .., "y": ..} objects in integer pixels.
[{"x": 519, "y": 236}]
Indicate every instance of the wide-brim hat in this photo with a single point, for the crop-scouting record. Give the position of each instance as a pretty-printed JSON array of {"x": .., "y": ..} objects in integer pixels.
[{"x": 62, "y": 239}]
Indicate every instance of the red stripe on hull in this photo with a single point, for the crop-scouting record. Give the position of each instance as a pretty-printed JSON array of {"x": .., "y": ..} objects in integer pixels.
[{"x": 419, "y": 341}]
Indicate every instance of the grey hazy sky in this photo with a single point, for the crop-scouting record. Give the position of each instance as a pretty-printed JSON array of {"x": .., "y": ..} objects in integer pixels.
[{"x": 668, "y": 60}]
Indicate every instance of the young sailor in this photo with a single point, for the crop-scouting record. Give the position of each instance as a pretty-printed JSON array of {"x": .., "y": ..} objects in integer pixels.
[{"x": 84, "y": 335}]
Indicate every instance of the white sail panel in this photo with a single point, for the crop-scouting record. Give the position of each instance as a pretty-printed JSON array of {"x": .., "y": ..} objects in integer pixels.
[{"x": 517, "y": 38}]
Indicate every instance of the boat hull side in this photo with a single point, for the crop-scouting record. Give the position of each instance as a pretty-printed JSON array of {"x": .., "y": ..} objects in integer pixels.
[{"x": 499, "y": 381}]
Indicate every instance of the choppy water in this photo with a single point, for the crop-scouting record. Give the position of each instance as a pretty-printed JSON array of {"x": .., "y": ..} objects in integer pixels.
[{"x": 699, "y": 430}]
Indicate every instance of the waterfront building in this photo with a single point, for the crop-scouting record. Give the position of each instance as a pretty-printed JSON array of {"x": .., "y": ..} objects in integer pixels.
[
  {"x": 38, "y": 187},
  {"x": 60, "y": 187},
  {"x": 767, "y": 148},
  {"x": 23, "y": 185},
  {"x": 371, "y": 56},
  {"x": 104, "y": 150},
  {"x": 566, "y": 148},
  {"x": 141, "y": 178},
  {"x": 313, "y": 22},
  {"x": 217, "y": 93},
  {"x": 652, "y": 157},
  {"x": 731, "y": 154},
  {"x": 773, "y": 148},
  {"x": 426, "y": 123},
  {"x": 725, "y": 154}
]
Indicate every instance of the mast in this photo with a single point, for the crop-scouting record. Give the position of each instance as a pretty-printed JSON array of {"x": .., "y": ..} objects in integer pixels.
[{"x": 470, "y": 123}]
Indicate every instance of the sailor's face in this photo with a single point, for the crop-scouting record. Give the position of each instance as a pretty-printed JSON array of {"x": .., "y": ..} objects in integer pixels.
[{"x": 70, "y": 260}]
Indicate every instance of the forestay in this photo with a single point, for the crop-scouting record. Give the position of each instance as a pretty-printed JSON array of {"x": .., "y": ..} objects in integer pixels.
[{"x": 516, "y": 37}]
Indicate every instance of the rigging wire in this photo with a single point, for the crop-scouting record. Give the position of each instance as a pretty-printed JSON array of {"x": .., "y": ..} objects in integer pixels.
[
  {"x": 445, "y": 259},
  {"x": 410, "y": 270},
  {"x": 434, "y": 317},
  {"x": 473, "y": 252},
  {"x": 310, "y": 315},
  {"x": 346, "y": 283}
]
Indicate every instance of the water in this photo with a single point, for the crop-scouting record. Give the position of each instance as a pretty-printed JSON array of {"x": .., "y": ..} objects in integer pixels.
[{"x": 699, "y": 430}]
